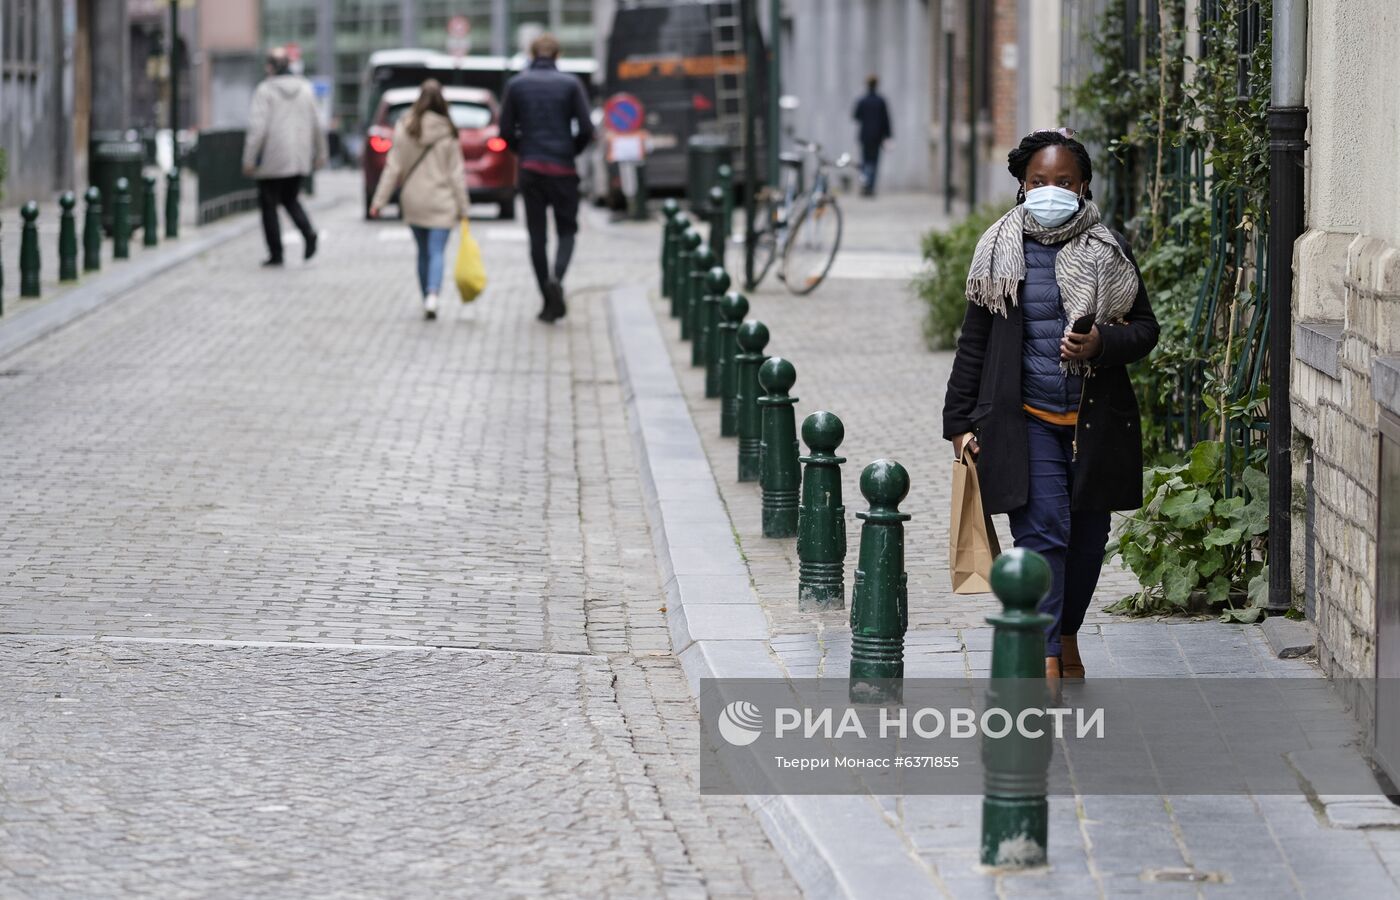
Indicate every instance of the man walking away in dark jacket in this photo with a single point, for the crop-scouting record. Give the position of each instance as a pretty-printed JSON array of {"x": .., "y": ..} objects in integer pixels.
[
  {"x": 544, "y": 119},
  {"x": 873, "y": 114},
  {"x": 284, "y": 144}
]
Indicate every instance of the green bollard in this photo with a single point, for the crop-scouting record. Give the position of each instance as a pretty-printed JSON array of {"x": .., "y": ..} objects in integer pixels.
[
  {"x": 121, "y": 221},
  {"x": 1015, "y": 812},
  {"x": 717, "y": 233},
  {"x": 29, "y": 251},
  {"x": 752, "y": 337},
  {"x": 726, "y": 184},
  {"x": 150, "y": 228},
  {"x": 668, "y": 244},
  {"x": 172, "y": 203},
  {"x": 718, "y": 284},
  {"x": 880, "y": 596},
  {"x": 732, "y": 310},
  {"x": 781, "y": 474},
  {"x": 690, "y": 246},
  {"x": 821, "y": 519},
  {"x": 702, "y": 261},
  {"x": 67, "y": 238},
  {"x": 92, "y": 230},
  {"x": 679, "y": 226}
]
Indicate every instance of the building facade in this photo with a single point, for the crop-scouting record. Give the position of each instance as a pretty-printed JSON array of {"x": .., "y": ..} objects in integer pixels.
[
  {"x": 1345, "y": 390},
  {"x": 964, "y": 81},
  {"x": 335, "y": 39},
  {"x": 58, "y": 87}
]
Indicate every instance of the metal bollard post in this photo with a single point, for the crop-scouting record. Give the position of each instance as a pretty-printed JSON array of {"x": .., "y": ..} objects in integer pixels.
[
  {"x": 121, "y": 221},
  {"x": 677, "y": 245},
  {"x": 702, "y": 261},
  {"x": 29, "y": 250},
  {"x": 717, "y": 233},
  {"x": 1015, "y": 813},
  {"x": 2, "y": 273},
  {"x": 880, "y": 596},
  {"x": 668, "y": 244},
  {"x": 690, "y": 246},
  {"x": 150, "y": 228},
  {"x": 752, "y": 337},
  {"x": 726, "y": 184},
  {"x": 92, "y": 230},
  {"x": 67, "y": 238},
  {"x": 172, "y": 203},
  {"x": 732, "y": 309},
  {"x": 821, "y": 519},
  {"x": 718, "y": 283},
  {"x": 781, "y": 473}
]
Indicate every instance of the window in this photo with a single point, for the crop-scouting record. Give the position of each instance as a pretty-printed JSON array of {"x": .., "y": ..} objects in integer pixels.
[
  {"x": 464, "y": 115},
  {"x": 20, "y": 58}
]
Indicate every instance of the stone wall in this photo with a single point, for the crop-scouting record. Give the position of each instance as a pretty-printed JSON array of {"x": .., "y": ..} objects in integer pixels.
[{"x": 1347, "y": 321}]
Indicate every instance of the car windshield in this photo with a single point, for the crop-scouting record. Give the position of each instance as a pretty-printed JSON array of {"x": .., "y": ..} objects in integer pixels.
[{"x": 464, "y": 115}]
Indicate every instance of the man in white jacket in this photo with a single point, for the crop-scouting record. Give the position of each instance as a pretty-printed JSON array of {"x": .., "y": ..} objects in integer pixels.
[{"x": 284, "y": 144}]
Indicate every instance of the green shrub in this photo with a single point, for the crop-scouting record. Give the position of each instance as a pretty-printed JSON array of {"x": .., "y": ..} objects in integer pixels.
[
  {"x": 1194, "y": 541},
  {"x": 941, "y": 284}
]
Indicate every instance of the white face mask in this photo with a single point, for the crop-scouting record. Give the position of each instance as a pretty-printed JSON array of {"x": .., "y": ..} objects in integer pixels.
[{"x": 1051, "y": 205}]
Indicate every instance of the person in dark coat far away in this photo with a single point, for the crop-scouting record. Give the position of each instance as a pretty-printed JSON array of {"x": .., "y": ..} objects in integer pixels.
[
  {"x": 873, "y": 114},
  {"x": 545, "y": 121},
  {"x": 1049, "y": 414}
]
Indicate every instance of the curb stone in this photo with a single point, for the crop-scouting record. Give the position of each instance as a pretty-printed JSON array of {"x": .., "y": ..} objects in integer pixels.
[
  {"x": 834, "y": 846},
  {"x": 122, "y": 279}
]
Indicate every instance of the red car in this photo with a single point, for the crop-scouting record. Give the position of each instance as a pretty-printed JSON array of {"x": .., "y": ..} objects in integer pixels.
[{"x": 490, "y": 167}]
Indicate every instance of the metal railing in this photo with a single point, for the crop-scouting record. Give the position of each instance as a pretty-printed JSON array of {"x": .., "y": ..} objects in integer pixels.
[{"x": 223, "y": 188}]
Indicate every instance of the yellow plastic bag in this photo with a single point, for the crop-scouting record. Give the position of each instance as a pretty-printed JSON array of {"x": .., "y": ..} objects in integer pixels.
[{"x": 470, "y": 274}]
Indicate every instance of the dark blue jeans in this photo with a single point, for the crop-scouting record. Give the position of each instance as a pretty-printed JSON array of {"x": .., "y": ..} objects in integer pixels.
[
  {"x": 869, "y": 167},
  {"x": 1072, "y": 543}
]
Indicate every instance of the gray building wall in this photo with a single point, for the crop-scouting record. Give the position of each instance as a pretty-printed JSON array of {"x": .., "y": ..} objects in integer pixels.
[
  {"x": 830, "y": 46},
  {"x": 34, "y": 117}
]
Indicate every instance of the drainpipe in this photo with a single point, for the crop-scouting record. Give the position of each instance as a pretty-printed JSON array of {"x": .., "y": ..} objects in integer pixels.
[{"x": 1288, "y": 122}]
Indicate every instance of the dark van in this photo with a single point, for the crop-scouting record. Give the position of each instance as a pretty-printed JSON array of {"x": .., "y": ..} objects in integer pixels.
[{"x": 686, "y": 63}]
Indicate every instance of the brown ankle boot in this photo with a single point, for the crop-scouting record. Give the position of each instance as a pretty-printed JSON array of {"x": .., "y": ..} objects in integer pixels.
[
  {"x": 1071, "y": 666},
  {"x": 1052, "y": 668}
]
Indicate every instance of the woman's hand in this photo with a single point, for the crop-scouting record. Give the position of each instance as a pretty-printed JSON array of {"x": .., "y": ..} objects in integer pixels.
[
  {"x": 968, "y": 441},
  {"x": 1081, "y": 347},
  {"x": 374, "y": 212}
]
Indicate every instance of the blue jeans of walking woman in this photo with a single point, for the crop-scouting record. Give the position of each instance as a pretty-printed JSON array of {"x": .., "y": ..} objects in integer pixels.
[
  {"x": 1072, "y": 543},
  {"x": 432, "y": 244}
]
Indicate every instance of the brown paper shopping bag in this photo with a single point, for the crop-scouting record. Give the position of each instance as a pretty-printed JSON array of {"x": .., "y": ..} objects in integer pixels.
[{"x": 972, "y": 541}]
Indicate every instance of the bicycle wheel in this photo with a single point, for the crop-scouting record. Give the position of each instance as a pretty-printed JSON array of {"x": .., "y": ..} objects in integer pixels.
[
  {"x": 811, "y": 246},
  {"x": 765, "y": 238}
]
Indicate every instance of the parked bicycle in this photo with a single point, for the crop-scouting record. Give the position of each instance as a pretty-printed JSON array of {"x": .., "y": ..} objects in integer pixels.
[{"x": 800, "y": 227}]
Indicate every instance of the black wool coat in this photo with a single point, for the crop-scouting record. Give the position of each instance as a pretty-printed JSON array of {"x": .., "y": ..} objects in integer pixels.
[{"x": 984, "y": 397}]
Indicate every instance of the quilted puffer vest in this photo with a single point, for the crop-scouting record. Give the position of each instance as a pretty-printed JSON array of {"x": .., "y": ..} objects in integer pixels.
[{"x": 1043, "y": 385}]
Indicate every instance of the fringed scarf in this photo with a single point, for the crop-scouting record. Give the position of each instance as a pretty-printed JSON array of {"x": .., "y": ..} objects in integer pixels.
[{"x": 1092, "y": 271}]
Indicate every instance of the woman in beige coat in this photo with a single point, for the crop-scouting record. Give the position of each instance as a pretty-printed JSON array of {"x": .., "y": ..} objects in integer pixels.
[{"x": 425, "y": 163}]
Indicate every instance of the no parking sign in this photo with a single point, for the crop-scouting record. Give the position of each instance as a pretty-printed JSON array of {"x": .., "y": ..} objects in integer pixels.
[{"x": 623, "y": 113}]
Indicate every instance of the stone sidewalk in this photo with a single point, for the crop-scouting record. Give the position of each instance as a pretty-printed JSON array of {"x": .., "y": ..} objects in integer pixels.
[
  {"x": 858, "y": 350},
  {"x": 303, "y": 595}
]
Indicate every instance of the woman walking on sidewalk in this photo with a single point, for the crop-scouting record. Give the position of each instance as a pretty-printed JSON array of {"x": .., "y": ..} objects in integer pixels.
[
  {"x": 1039, "y": 391},
  {"x": 425, "y": 166}
]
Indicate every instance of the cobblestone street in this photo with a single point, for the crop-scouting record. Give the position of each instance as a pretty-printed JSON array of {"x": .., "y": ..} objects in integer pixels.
[{"x": 301, "y": 594}]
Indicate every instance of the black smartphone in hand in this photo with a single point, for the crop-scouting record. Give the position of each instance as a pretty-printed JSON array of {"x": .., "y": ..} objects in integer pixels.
[{"x": 1083, "y": 325}]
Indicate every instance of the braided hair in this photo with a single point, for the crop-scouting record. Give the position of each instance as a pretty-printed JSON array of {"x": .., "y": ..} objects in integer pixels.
[{"x": 1020, "y": 158}]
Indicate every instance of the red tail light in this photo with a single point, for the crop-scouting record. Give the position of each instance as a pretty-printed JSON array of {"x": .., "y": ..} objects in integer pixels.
[
  {"x": 496, "y": 144},
  {"x": 380, "y": 144},
  {"x": 702, "y": 103}
]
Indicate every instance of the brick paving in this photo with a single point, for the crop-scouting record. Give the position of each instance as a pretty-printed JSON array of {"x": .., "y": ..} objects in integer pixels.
[
  {"x": 303, "y": 594},
  {"x": 858, "y": 350}
]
